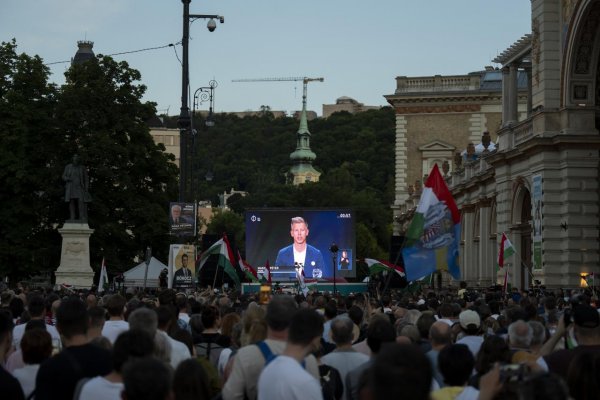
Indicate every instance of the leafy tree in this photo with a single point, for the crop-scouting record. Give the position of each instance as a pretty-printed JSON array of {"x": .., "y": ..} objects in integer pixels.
[
  {"x": 225, "y": 221},
  {"x": 28, "y": 239},
  {"x": 132, "y": 179},
  {"x": 98, "y": 114}
]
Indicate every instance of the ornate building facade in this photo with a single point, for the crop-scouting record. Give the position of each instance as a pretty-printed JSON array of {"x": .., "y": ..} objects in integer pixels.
[
  {"x": 437, "y": 117},
  {"x": 540, "y": 185}
]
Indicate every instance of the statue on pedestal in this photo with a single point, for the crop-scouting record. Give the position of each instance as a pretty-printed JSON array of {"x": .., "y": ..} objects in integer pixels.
[{"x": 76, "y": 190}]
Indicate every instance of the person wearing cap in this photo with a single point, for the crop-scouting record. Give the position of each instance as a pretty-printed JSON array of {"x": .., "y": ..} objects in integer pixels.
[
  {"x": 586, "y": 329},
  {"x": 470, "y": 325}
]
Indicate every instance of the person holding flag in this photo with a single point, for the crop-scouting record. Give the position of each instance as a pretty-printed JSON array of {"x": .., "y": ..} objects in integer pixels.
[
  {"x": 433, "y": 236},
  {"x": 103, "y": 281},
  {"x": 248, "y": 270},
  {"x": 506, "y": 250}
]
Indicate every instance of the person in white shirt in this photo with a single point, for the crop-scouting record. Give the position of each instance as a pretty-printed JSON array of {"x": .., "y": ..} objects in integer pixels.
[
  {"x": 344, "y": 358},
  {"x": 249, "y": 361},
  {"x": 36, "y": 347},
  {"x": 36, "y": 308},
  {"x": 116, "y": 323},
  {"x": 131, "y": 344},
  {"x": 470, "y": 324},
  {"x": 179, "y": 351},
  {"x": 284, "y": 377}
]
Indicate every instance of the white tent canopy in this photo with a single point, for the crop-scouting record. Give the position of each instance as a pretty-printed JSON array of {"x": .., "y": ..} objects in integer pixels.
[{"x": 135, "y": 276}]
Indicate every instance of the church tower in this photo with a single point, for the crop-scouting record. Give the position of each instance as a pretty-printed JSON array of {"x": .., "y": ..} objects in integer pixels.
[{"x": 302, "y": 158}]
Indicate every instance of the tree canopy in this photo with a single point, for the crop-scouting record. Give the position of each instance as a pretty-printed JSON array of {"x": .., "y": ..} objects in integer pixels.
[{"x": 99, "y": 115}]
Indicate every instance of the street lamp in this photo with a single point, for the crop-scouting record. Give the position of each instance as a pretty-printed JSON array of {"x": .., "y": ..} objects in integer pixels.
[
  {"x": 202, "y": 94},
  {"x": 184, "y": 120},
  {"x": 334, "y": 251}
]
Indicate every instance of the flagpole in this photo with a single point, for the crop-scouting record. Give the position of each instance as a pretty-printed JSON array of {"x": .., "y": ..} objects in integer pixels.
[
  {"x": 216, "y": 271},
  {"x": 389, "y": 277}
]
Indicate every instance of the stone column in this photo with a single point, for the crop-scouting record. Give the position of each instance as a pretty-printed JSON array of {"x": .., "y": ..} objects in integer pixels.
[
  {"x": 75, "y": 266},
  {"x": 505, "y": 95},
  {"x": 513, "y": 94},
  {"x": 469, "y": 269},
  {"x": 485, "y": 262},
  {"x": 529, "y": 90},
  {"x": 400, "y": 183}
]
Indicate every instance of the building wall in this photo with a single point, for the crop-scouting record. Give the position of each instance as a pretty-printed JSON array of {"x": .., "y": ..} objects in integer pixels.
[
  {"x": 169, "y": 138},
  {"x": 560, "y": 142}
]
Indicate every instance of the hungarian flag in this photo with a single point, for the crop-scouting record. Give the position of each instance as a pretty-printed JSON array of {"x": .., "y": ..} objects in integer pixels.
[
  {"x": 434, "y": 233},
  {"x": 223, "y": 249},
  {"x": 103, "y": 281},
  {"x": 506, "y": 250},
  {"x": 265, "y": 276},
  {"x": 247, "y": 268},
  {"x": 376, "y": 266}
]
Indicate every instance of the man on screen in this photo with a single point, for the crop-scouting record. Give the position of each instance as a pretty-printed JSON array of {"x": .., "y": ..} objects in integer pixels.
[
  {"x": 301, "y": 253},
  {"x": 183, "y": 277}
]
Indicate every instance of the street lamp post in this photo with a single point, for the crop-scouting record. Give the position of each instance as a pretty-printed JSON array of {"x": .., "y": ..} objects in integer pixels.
[
  {"x": 334, "y": 251},
  {"x": 184, "y": 120},
  {"x": 202, "y": 94}
]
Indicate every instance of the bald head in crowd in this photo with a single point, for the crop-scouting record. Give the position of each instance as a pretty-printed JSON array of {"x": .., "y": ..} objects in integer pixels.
[{"x": 440, "y": 334}]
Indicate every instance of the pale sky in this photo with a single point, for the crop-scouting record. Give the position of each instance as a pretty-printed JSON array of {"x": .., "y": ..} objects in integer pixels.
[{"x": 359, "y": 47}]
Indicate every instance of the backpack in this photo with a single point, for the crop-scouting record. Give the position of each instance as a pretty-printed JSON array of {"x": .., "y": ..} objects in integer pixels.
[
  {"x": 331, "y": 383},
  {"x": 209, "y": 350},
  {"x": 269, "y": 355}
]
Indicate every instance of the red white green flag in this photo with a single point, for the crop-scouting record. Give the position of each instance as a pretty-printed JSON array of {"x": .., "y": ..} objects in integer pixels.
[
  {"x": 247, "y": 268},
  {"x": 103, "y": 281},
  {"x": 376, "y": 266},
  {"x": 433, "y": 235},
  {"x": 506, "y": 250},
  {"x": 223, "y": 249},
  {"x": 264, "y": 276}
]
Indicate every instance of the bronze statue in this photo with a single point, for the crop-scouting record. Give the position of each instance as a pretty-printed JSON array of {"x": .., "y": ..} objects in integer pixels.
[{"x": 76, "y": 190}]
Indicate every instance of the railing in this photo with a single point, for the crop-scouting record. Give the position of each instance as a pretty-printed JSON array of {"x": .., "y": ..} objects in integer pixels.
[
  {"x": 522, "y": 131},
  {"x": 437, "y": 84},
  {"x": 469, "y": 170}
]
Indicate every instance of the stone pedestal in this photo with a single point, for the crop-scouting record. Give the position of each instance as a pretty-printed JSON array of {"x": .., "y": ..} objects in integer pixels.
[{"x": 75, "y": 266}]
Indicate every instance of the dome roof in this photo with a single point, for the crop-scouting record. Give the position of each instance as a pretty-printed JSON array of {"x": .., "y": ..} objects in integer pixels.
[{"x": 84, "y": 52}]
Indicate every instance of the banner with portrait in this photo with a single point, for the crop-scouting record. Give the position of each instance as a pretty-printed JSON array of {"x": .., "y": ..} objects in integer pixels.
[
  {"x": 182, "y": 219},
  {"x": 182, "y": 274}
]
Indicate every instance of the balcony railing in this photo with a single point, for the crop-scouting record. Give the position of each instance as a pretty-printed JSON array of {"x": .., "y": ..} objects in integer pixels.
[{"x": 437, "y": 84}]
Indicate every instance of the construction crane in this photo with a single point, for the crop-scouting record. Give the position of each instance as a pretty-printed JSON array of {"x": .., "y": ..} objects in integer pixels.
[{"x": 304, "y": 80}]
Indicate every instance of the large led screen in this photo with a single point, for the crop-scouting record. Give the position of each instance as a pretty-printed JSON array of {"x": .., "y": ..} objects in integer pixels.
[{"x": 269, "y": 239}]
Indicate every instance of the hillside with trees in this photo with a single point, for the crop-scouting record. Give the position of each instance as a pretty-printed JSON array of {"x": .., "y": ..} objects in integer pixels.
[
  {"x": 99, "y": 114},
  {"x": 355, "y": 153}
]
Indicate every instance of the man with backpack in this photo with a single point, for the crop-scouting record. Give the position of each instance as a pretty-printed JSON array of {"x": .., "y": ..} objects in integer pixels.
[
  {"x": 284, "y": 377},
  {"x": 250, "y": 360}
]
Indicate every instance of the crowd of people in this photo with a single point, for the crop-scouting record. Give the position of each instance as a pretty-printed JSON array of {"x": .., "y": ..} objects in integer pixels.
[{"x": 429, "y": 344}]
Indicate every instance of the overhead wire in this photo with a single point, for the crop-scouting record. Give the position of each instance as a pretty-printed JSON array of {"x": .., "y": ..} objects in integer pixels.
[{"x": 130, "y": 52}]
